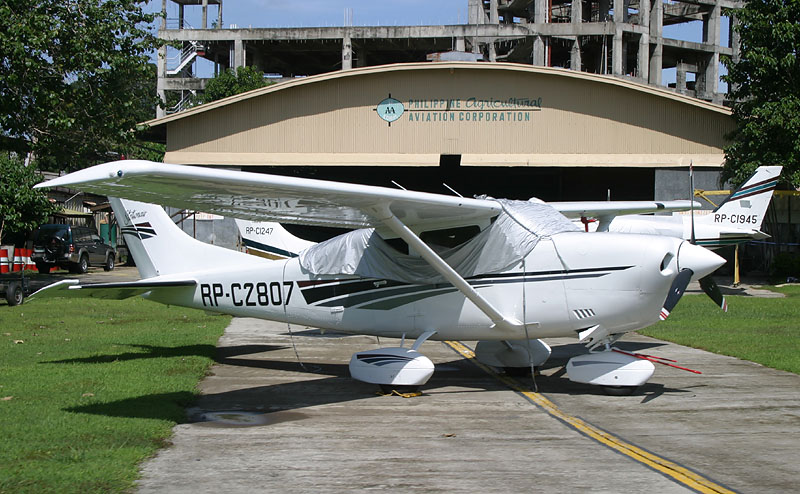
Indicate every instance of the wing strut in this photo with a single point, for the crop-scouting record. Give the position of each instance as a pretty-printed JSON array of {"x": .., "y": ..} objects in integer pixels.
[{"x": 499, "y": 320}]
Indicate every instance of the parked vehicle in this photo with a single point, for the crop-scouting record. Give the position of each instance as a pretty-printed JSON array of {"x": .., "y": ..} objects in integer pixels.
[
  {"x": 70, "y": 247},
  {"x": 14, "y": 288}
]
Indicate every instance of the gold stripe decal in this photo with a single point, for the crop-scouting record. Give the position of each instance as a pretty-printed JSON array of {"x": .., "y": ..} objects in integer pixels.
[{"x": 670, "y": 469}]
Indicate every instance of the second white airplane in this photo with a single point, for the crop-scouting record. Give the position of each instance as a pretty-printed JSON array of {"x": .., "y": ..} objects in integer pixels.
[{"x": 738, "y": 219}]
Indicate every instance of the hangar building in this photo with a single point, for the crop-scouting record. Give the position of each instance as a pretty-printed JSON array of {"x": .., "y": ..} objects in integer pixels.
[{"x": 507, "y": 130}]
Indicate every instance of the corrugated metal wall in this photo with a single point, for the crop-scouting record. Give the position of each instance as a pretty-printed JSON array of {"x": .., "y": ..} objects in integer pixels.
[{"x": 493, "y": 115}]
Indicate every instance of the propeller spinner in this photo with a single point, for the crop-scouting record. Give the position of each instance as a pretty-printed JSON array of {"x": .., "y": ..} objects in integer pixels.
[{"x": 695, "y": 263}]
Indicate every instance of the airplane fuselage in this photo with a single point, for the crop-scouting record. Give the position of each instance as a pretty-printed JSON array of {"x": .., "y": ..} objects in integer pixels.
[
  {"x": 561, "y": 288},
  {"x": 712, "y": 231}
]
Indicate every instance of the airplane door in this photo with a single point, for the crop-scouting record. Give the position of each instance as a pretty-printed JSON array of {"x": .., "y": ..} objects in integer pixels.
[
  {"x": 93, "y": 241},
  {"x": 544, "y": 297}
]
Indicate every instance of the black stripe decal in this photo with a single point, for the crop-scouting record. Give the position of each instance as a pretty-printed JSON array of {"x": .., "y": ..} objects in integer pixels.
[
  {"x": 325, "y": 292},
  {"x": 267, "y": 248},
  {"x": 352, "y": 293},
  {"x": 371, "y": 295}
]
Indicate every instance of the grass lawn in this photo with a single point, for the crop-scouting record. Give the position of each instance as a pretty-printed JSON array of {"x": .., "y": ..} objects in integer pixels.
[
  {"x": 89, "y": 388},
  {"x": 763, "y": 330}
]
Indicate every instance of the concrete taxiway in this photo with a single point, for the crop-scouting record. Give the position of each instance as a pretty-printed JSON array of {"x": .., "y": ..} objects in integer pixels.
[{"x": 265, "y": 423}]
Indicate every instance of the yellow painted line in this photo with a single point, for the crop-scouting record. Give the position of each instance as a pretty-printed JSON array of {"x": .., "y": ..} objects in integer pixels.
[{"x": 670, "y": 469}]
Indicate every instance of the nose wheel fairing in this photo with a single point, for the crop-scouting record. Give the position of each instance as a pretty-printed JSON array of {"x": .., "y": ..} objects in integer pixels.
[{"x": 609, "y": 368}]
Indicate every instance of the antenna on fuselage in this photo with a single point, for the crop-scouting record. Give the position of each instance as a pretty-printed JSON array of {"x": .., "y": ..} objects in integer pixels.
[
  {"x": 398, "y": 185},
  {"x": 454, "y": 191},
  {"x": 692, "y": 238}
]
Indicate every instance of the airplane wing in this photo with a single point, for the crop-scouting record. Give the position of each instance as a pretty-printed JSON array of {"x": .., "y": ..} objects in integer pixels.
[
  {"x": 596, "y": 209},
  {"x": 111, "y": 291},
  {"x": 295, "y": 200},
  {"x": 260, "y": 197}
]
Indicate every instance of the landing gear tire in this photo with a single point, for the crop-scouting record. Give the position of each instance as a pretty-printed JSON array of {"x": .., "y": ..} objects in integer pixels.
[
  {"x": 14, "y": 294},
  {"x": 109, "y": 265},
  {"x": 517, "y": 371},
  {"x": 619, "y": 390},
  {"x": 389, "y": 389}
]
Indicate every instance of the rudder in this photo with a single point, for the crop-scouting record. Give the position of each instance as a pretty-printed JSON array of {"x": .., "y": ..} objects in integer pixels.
[{"x": 747, "y": 205}]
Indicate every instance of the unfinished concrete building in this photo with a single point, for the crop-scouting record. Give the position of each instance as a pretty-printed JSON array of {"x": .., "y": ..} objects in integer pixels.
[{"x": 622, "y": 38}]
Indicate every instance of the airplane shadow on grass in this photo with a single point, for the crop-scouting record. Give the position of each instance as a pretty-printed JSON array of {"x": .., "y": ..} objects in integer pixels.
[{"x": 334, "y": 384}]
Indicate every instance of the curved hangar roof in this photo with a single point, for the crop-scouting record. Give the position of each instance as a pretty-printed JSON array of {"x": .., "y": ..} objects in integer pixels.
[{"x": 492, "y": 114}]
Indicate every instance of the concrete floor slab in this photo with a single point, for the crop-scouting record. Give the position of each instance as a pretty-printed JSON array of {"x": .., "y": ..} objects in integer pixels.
[{"x": 265, "y": 424}]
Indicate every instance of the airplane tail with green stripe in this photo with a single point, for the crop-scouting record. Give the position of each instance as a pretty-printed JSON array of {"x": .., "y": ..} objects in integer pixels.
[{"x": 746, "y": 207}]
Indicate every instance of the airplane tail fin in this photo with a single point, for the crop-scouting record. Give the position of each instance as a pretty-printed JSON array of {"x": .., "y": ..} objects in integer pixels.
[
  {"x": 160, "y": 247},
  {"x": 747, "y": 205},
  {"x": 270, "y": 240}
]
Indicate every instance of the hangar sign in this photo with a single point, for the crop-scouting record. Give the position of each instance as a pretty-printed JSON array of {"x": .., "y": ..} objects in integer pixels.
[{"x": 471, "y": 109}]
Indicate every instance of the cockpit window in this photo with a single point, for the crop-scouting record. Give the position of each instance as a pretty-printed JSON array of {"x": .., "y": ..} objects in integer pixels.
[{"x": 450, "y": 237}]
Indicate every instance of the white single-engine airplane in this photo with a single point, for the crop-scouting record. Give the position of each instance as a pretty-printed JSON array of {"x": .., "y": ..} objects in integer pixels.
[
  {"x": 505, "y": 273},
  {"x": 738, "y": 219}
]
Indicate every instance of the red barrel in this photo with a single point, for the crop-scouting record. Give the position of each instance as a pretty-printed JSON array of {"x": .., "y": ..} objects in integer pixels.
[
  {"x": 18, "y": 260},
  {"x": 4, "y": 261}
]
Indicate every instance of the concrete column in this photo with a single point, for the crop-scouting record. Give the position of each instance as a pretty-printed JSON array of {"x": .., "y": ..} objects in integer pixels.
[
  {"x": 219, "y": 15},
  {"x": 476, "y": 13},
  {"x": 205, "y": 14},
  {"x": 180, "y": 16},
  {"x": 576, "y": 12},
  {"x": 539, "y": 45},
  {"x": 238, "y": 53},
  {"x": 656, "y": 37},
  {"x": 575, "y": 54},
  {"x": 618, "y": 11},
  {"x": 643, "y": 58},
  {"x": 711, "y": 35},
  {"x": 680, "y": 78},
  {"x": 576, "y": 16},
  {"x": 347, "y": 53},
  {"x": 494, "y": 18},
  {"x": 538, "y": 51},
  {"x": 616, "y": 52},
  {"x": 162, "y": 78},
  {"x": 734, "y": 40},
  {"x": 644, "y": 12},
  {"x": 460, "y": 44},
  {"x": 734, "y": 43},
  {"x": 163, "y": 14},
  {"x": 540, "y": 11}
]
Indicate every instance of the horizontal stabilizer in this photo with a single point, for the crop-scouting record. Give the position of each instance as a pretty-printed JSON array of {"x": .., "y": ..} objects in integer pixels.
[
  {"x": 593, "y": 209},
  {"x": 112, "y": 291}
]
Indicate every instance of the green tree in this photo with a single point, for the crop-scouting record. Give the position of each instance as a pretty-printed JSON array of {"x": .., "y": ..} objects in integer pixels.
[
  {"x": 22, "y": 208},
  {"x": 232, "y": 82},
  {"x": 765, "y": 85},
  {"x": 75, "y": 78}
]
